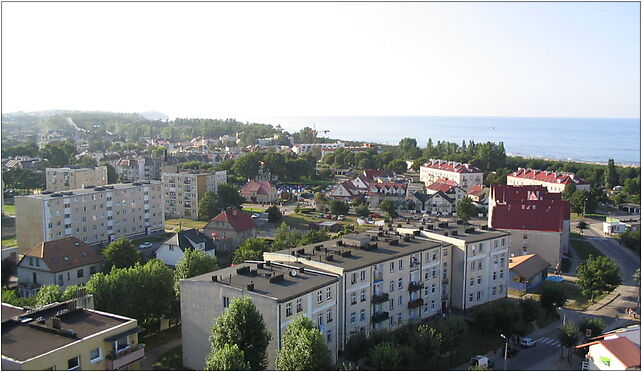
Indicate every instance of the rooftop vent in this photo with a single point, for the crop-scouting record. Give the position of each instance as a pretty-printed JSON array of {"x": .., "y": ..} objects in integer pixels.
[
  {"x": 469, "y": 230},
  {"x": 243, "y": 270},
  {"x": 259, "y": 265},
  {"x": 214, "y": 278},
  {"x": 250, "y": 286},
  {"x": 394, "y": 241},
  {"x": 484, "y": 227},
  {"x": 346, "y": 254},
  {"x": 329, "y": 257},
  {"x": 445, "y": 233},
  {"x": 276, "y": 278},
  {"x": 454, "y": 233}
]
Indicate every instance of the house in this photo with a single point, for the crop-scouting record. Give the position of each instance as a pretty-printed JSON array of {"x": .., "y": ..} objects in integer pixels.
[
  {"x": 127, "y": 170},
  {"x": 74, "y": 177},
  {"x": 345, "y": 190},
  {"x": 538, "y": 220},
  {"x": 171, "y": 251},
  {"x": 65, "y": 262},
  {"x": 465, "y": 175},
  {"x": 257, "y": 191},
  {"x": 618, "y": 350},
  {"x": 436, "y": 203},
  {"x": 620, "y": 224},
  {"x": 331, "y": 226},
  {"x": 379, "y": 175},
  {"x": 629, "y": 207},
  {"x": 479, "y": 195},
  {"x": 230, "y": 228},
  {"x": 380, "y": 191},
  {"x": 527, "y": 272},
  {"x": 449, "y": 187},
  {"x": 66, "y": 336},
  {"x": 553, "y": 181}
]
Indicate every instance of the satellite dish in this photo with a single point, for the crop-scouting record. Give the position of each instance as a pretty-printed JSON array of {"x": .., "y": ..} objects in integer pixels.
[{"x": 293, "y": 272}]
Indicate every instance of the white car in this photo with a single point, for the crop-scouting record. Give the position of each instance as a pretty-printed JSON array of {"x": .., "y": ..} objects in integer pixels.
[
  {"x": 256, "y": 215},
  {"x": 341, "y": 217},
  {"x": 527, "y": 342},
  {"x": 145, "y": 245}
]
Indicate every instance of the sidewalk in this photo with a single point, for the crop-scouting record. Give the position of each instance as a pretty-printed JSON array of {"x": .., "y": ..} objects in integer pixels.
[{"x": 152, "y": 355}]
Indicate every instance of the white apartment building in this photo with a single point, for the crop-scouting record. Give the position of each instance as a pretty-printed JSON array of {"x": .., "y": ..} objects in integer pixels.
[
  {"x": 73, "y": 178},
  {"x": 465, "y": 175},
  {"x": 182, "y": 191},
  {"x": 553, "y": 181},
  {"x": 96, "y": 215},
  {"x": 303, "y": 148}
]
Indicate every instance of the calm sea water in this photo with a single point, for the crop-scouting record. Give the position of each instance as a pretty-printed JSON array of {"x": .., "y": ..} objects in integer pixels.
[{"x": 594, "y": 140}]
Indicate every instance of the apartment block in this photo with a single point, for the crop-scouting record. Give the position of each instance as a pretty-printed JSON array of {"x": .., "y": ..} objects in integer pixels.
[
  {"x": 480, "y": 256},
  {"x": 72, "y": 178},
  {"x": 386, "y": 279},
  {"x": 465, "y": 175},
  {"x": 62, "y": 336},
  {"x": 553, "y": 181},
  {"x": 280, "y": 292},
  {"x": 95, "y": 215},
  {"x": 182, "y": 191}
]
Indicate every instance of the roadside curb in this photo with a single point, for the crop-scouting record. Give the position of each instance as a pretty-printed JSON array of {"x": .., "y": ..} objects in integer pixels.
[{"x": 605, "y": 301}]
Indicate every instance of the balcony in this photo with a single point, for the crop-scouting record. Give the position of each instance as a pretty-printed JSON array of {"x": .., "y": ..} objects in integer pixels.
[
  {"x": 378, "y": 276},
  {"x": 117, "y": 360},
  {"x": 413, "y": 304},
  {"x": 415, "y": 286},
  {"x": 379, "y": 298},
  {"x": 380, "y": 317}
]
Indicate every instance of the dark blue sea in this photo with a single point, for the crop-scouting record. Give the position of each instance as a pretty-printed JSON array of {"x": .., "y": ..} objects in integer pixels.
[{"x": 593, "y": 140}]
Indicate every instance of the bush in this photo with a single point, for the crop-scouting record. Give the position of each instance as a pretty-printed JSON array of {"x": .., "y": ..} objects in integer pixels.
[{"x": 274, "y": 214}]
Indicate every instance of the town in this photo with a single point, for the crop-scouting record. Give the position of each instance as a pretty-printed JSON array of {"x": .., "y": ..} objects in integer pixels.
[{"x": 140, "y": 243}]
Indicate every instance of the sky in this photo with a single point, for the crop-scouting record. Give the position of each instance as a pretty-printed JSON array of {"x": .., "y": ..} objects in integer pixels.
[{"x": 222, "y": 60}]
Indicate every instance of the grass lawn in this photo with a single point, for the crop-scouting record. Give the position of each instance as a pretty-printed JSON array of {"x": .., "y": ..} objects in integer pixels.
[
  {"x": 594, "y": 216},
  {"x": 161, "y": 337},
  {"x": 9, "y": 241},
  {"x": 170, "y": 361},
  {"x": 174, "y": 224},
  {"x": 152, "y": 238},
  {"x": 576, "y": 301},
  {"x": 9, "y": 209},
  {"x": 583, "y": 248},
  {"x": 301, "y": 221},
  {"x": 253, "y": 210}
]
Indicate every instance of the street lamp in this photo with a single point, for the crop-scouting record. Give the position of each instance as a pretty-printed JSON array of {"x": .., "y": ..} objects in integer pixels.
[
  {"x": 564, "y": 321},
  {"x": 505, "y": 350}
]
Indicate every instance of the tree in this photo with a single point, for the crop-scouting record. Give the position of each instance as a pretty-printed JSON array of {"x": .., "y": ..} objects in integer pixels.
[
  {"x": 631, "y": 240},
  {"x": 582, "y": 226},
  {"x": 251, "y": 249},
  {"x": 610, "y": 175},
  {"x": 356, "y": 346},
  {"x": 362, "y": 211},
  {"x": 428, "y": 341},
  {"x": 86, "y": 161},
  {"x": 193, "y": 263},
  {"x": 466, "y": 208},
  {"x": 9, "y": 269},
  {"x": 12, "y": 297},
  {"x": 596, "y": 275},
  {"x": 578, "y": 201},
  {"x": 452, "y": 329},
  {"x": 386, "y": 356},
  {"x": 569, "y": 336},
  {"x": 569, "y": 189},
  {"x": 274, "y": 214},
  {"x": 552, "y": 296},
  {"x": 247, "y": 165},
  {"x": 112, "y": 176},
  {"x": 320, "y": 201},
  {"x": 209, "y": 206},
  {"x": 120, "y": 253},
  {"x": 398, "y": 166},
  {"x": 529, "y": 309},
  {"x": 595, "y": 324},
  {"x": 227, "y": 358},
  {"x": 242, "y": 325},
  {"x": 48, "y": 294},
  {"x": 303, "y": 348},
  {"x": 229, "y": 196},
  {"x": 389, "y": 207},
  {"x": 338, "y": 206}
]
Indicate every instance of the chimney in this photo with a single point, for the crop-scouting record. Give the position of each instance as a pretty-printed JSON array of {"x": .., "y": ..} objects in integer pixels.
[{"x": 250, "y": 286}]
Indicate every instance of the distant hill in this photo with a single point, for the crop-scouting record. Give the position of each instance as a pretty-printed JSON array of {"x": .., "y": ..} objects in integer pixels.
[{"x": 153, "y": 115}]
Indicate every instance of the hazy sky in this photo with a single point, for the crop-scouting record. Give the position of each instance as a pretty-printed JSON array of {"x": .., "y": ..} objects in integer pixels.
[{"x": 302, "y": 59}]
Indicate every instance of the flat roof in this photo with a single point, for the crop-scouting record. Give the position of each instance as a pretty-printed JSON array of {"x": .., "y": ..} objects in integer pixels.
[
  {"x": 380, "y": 250},
  {"x": 477, "y": 234},
  {"x": 96, "y": 189},
  {"x": 261, "y": 275},
  {"x": 25, "y": 340}
]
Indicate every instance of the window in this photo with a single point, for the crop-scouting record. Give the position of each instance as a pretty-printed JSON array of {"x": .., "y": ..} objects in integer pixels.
[
  {"x": 353, "y": 298},
  {"x": 445, "y": 252},
  {"x": 472, "y": 266},
  {"x": 288, "y": 309},
  {"x": 432, "y": 288},
  {"x": 501, "y": 274},
  {"x": 503, "y": 242},
  {"x": 328, "y": 335},
  {"x": 354, "y": 278},
  {"x": 494, "y": 275},
  {"x": 363, "y": 295},
  {"x": 362, "y": 315},
  {"x": 121, "y": 343},
  {"x": 496, "y": 243},
  {"x": 226, "y": 302},
  {"x": 299, "y": 305},
  {"x": 400, "y": 283},
  {"x": 426, "y": 291},
  {"x": 432, "y": 305},
  {"x": 31, "y": 261},
  {"x": 434, "y": 273},
  {"x": 399, "y": 318},
  {"x": 328, "y": 294},
  {"x": 472, "y": 281},
  {"x": 363, "y": 275},
  {"x": 392, "y": 286},
  {"x": 80, "y": 273},
  {"x": 320, "y": 296},
  {"x": 353, "y": 318},
  {"x": 320, "y": 320},
  {"x": 329, "y": 316},
  {"x": 479, "y": 295},
  {"x": 494, "y": 291},
  {"x": 392, "y": 267},
  {"x": 434, "y": 256},
  {"x": 479, "y": 280},
  {"x": 525, "y": 236},
  {"x": 95, "y": 355},
  {"x": 501, "y": 289},
  {"x": 390, "y": 321},
  {"x": 470, "y": 297},
  {"x": 479, "y": 265},
  {"x": 73, "y": 363},
  {"x": 400, "y": 264},
  {"x": 391, "y": 304},
  {"x": 400, "y": 300},
  {"x": 481, "y": 247}
]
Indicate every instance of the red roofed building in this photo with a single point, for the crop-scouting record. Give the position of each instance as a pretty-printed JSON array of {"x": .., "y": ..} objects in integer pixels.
[
  {"x": 380, "y": 191},
  {"x": 465, "y": 175},
  {"x": 259, "y": 191},
  {"x": 448, "y": 187},
  {"x": 616, "y": 351},
  {"x": 539, "y": 221},
  {"x": 345, "y": 190},
  {"x": 230, "y": 228},
  {"x": 553, "y": 181},
  {"x": 379, "y": 175}
]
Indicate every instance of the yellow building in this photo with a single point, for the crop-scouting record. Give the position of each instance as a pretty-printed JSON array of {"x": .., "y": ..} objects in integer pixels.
[
  {"x": 62, "y": 336},
  {"x": 72, "y": 178},
  {"x": 183, "y": 191}
]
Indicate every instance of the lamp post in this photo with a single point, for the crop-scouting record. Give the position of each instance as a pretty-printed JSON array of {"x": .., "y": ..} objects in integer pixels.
[
  {"x": 505, "y": 350},
  {"x": 564, "y": 315}
]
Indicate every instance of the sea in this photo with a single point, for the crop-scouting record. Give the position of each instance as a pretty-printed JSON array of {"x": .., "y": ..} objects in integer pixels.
[{"x": 576, "y": 139}]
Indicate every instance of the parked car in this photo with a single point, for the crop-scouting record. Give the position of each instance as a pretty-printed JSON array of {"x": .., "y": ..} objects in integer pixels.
[
  {"x": 255, "y": 215},
  {"x": 328, "y": 216},
  {"x": 527, "y": 342},
  {"x": 145, "y": 245},
  {"x": 512, "y": 351},
  {"x": 374, "y": 215},
  {"x": 482, "y": 361},
  {"x": 341, "y": 217},
  {"x": 400, "y": 219},
  {"x": 415, "y": 217}
]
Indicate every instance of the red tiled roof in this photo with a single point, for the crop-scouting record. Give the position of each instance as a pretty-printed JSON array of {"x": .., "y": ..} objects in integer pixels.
[
  {"x": 539, "y": 215},
  {"x": 442, "y": 185},
  {"x": 451, "y": 166},
  {"x": 65, "y": 254},
  {"x": 509, "y": 194},
  {"x": 239, "y": 220},
  {"x": 549, "y": 177},
  {"x": 260, "y": 187},
  {"x": 528, "y": 266},
  {"x": 624, "y": 350},
  {"x": 371, "y": 174}
]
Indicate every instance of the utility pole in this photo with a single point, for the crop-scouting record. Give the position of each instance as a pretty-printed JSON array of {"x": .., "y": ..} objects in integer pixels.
[{"x": 505, "y": 351}]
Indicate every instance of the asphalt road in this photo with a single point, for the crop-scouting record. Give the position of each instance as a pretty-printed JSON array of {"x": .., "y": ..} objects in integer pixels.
[{"x": 626, "y": 260}]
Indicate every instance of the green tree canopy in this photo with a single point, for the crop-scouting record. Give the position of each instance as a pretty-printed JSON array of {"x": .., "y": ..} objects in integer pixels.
[
  {"x": 552, "y": 296},
  {"x": 398, "y": 166},
  {"x": 48, "y": 294},
  {"x": 274, "y": 214},
  {"x": 386, "y": 357},
  {"x": 466, "y": 208},
  {"x": 597, "y": 274},
  {"x": 193, "y": 263},
  {"x": 251, "y": 249},
  {"x": 229, "y": 196},
  {"x": 362, "y": 211},
  {"x": 227, "y": 358},
  {"x": 120, "y": 253},
  {"x": 389, "y": 208},
  {"x": 338, "y": 206},
  {"x": 242, "y": 325},
  {"x": 303, "y": 348},
  {"x": 595, "y": 324},
  {"x": 209, "y": 206}
]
